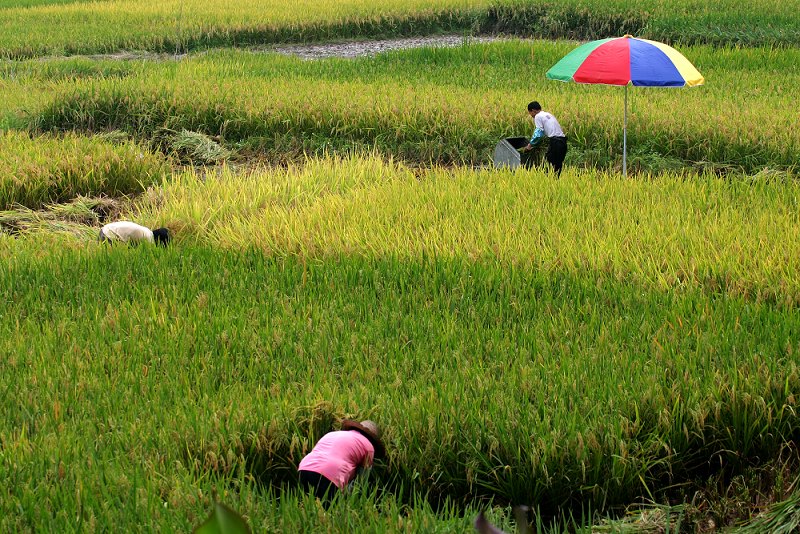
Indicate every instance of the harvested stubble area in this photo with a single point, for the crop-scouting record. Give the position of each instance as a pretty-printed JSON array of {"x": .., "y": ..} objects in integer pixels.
[{"x": 581, "y": 345}]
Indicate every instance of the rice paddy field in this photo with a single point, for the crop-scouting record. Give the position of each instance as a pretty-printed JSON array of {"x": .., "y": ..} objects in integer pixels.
[
  {"x": 620, "y": 354},
  {"x": 107, "y": 26},
  {"x": 439, "y": 106}
]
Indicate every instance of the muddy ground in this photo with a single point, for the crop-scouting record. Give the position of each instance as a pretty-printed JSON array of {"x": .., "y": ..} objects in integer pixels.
[
  {"x": 352, "y": 49},
  {"x": 343, "y": 49}
]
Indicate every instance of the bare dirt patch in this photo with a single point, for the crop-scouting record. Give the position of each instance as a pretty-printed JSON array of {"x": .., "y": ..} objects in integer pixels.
[
  {"x": 352, "y": 49},
  {"x": 344, "y": 49}
]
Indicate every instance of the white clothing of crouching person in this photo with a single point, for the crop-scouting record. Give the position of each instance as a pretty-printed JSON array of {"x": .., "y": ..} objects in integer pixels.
[{"x": 130, "y": 232}]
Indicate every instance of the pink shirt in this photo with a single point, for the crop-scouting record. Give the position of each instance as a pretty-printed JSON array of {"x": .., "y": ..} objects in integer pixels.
[{"x": 337, "y": 455}]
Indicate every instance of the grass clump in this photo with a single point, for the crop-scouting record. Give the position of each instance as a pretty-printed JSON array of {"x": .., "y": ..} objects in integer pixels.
[
  {"x": 73, "y": 217},
  {"x": 782, "y": 518},
  {"x": 40, "y": 170},
  {"x": 194, "y": 147}
]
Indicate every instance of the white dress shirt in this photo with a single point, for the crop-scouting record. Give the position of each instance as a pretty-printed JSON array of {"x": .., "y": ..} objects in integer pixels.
[{"x": 548, "y": 124}]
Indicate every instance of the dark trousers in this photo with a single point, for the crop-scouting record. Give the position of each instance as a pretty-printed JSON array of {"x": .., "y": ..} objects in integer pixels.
[
  {"x": 556, "y": 152},
  {"x": 320, "y": 486}
]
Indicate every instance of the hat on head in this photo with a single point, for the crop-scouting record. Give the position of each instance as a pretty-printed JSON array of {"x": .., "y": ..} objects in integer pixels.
[{"x": 370, "y": 431}]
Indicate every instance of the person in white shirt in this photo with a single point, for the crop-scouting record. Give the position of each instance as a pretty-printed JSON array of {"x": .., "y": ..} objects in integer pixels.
[
  {"x": 547, "y": 126},
  {"x": 130, "y": 232}
]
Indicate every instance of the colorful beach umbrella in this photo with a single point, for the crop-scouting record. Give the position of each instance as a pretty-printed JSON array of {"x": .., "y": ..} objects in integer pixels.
[{"x": 626, "y": 61}]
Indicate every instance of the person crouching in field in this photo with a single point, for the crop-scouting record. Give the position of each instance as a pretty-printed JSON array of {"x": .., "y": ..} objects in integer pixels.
[
  {"x": 130, "y": 232},
  {"x": 338, "y": 457}
]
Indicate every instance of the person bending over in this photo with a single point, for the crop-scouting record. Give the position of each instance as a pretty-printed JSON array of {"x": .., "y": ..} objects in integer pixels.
[
  {"x": 130, "y": 232},
  {"x": 338, "y": 456},
  {"x": 547, "y": 126}
]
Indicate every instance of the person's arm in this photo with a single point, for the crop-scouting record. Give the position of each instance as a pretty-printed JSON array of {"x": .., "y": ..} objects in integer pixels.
[
  {"x": 362, "y": 472},
  {"x": 537, "y": 137},
  {"x": 361, "y": 476}
]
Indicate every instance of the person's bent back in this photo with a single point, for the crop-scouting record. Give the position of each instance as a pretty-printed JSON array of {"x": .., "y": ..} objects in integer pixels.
[
  {"x": 130, "y": 232},
  {"x": 338, "y": 456}
]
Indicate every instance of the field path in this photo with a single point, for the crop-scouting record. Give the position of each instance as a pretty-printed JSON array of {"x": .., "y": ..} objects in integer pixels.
[
  {"x": 369, "y": 48},
  {"x": 343, "y": 49}
]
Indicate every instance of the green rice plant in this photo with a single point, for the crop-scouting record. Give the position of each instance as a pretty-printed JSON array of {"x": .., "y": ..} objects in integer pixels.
[
  {"x": 8, "y": 4},
  {"x": 25, "y": 84},
  {"x": 71, "y": 68},
  {"x": 781, "y": 518},
  {"x": 570, "y": 344},
  {"x": 19, "y": 97},
  {"x": 35, "y": 171},
  {"x": 167, "y": 27}
]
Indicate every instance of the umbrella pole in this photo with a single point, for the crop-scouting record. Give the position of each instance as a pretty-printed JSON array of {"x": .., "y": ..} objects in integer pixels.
[{"x": 625, "y": 137}]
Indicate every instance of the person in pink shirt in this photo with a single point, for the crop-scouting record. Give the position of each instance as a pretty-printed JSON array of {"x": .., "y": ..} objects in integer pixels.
[{"x": 337, "y": 457}]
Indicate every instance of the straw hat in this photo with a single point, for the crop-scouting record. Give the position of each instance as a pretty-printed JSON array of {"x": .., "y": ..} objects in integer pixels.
[{"x": 370, "y": 431}]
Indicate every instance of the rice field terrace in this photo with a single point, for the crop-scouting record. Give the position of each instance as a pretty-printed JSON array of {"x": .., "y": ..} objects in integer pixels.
[
  {"x": 107, "y": 26},
  {"x": 620, "y": 354},
  {"x": 427, "y": 106}
]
